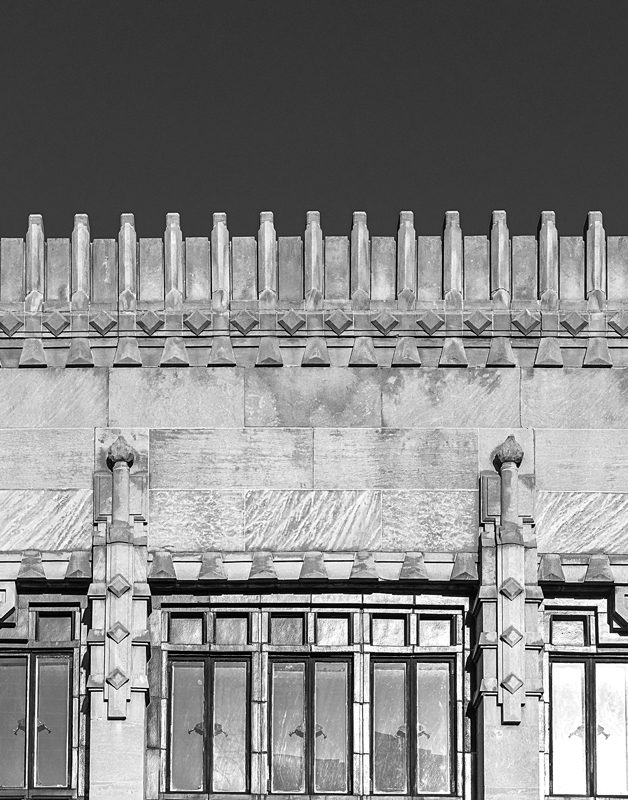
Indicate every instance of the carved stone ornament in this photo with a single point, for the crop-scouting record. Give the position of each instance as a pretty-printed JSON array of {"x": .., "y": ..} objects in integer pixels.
[
  {"x": 120, "y": 450},
  {"x": 508, "y": 451}
]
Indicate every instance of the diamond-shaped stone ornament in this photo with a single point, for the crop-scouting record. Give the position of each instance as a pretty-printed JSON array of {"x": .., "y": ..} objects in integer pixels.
[
  {"x": 511, "y": 636},
  {"x": 10, "y": 323},
  {"x": 292, "y": 322},
  {"x": 619, "y": 323},
  {"x": 385, "y": 322},
  {"x": 477, "y": 322},
  {"x": 56, "y": 323},
  {"x": 149, "y": 322},
  {"x": 512, "y": 683},
  {"x": 526, "y": 322},
  {"x": 118, "y": 585},
  {"x": 117, "y": 678},
  {"x": 430, "y": 322},
  {"x": 574, "y": 323},
  {"x": 102, "y": 322},
  {"x": 511, "y": 588},
  {"x": 197, "y": 322},
  {"x": 338, "y": 321},
  {"x": 244, "y": 322},
  {"x": 118, "y": 632}
]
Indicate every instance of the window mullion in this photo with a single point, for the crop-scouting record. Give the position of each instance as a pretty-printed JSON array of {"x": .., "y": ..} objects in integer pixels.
[{"x": 590, "y": 724}]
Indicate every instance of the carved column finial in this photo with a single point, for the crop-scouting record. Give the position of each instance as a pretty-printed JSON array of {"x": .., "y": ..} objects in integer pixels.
[
  {"x": 509, "y": 451},
  {"x": 120, "y": 450},
  {"x": 120, "y": 458}
]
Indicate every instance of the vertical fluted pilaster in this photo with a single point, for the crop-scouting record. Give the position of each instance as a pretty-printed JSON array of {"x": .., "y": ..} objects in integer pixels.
[
  {"x": 314, "y": 264},
  {"x": 406, "y": 260},
  {"x": 35, "y": 263},
  {"x": 452, "y": 253},
  {"x": 548, "y": 253},
  {"x": 80, "y": 263},
  {"x": 596, "y": 253},
  {"x": 267, "y": 260},
  {"x": 360, "y": 261},
  {"x": 127, "y": 259},
  {"x": 173, "y": 253},
  {"x": 221, "y": 262}
]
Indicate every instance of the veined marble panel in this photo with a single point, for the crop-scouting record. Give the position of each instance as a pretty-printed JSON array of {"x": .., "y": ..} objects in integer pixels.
[
  {"x": 389, "y": 458},
  {"x": 439, "y": 398},
  {"x": 578, "y": 521},
  {"x": 193, "y": 397},
  {"x": 53, "y": 398},
  {"x": 569, "y": 460},
  {"x": 574, "y": 398},
  {"x": 186, "y": 520},
  {"x": 45, "y": 520},
  {"x": 46, "y": 458},
  {"x": 338, "y": 397},
  {"x": 231, "y": 458},
  {"x": 318, "y": 520},
  {"x": 429, "y": 521}
]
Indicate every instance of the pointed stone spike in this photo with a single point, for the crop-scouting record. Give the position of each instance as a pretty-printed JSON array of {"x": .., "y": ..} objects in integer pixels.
[
  {"x": 80, "y": 263},
  {"x": 406, "y": 353},
  {"x": 364, "y": 567},
  {"x": 406, "y": 259},
  {"x": 550, "y": 568},
  {"x": 174, "y": 353},
  {"x": 35, "y": 259},
  {"x": 80, "y": 353},
  {"x": 262, "y": 567},
  {"x": 127, "y": 260},
  {"x": 500, "y": 353},
  {"x": 549, "y": 354},
  {"x": 363, "y": 353},
  {"x": 79, "y": 566},
  {"x": 267, "y": 260},
  {"x": 452, "y": 253},
  {"x": 33, "y": 354},
  {"x": 212, "y": 568},
  {"x": 596, "y": 253},
  {"x": 31, "y": 567},
  {"x": 173, "y": 262},
  {"x": 162, "y": 567},
  {"x": 597, "y": 354},
  {"x": 548, "y": 253},
  {"x": 360, "y": 260},
  {"x": 316, "y": 353},
  {"x": 221, "y": 354},
  {"x": 465, "y": 567},
  {"x": 413, "y": 568},
  {"x": 313, "y": 261},
  {"x": 221, "y": 262},
  {"x": 269, "y": 353},
  {"x": 500, "y": 254},
  {"x": 313, "y": 567},
  {"x": 127, "y": 353},
  {"x": 453, "y": 354},
  {"x": 599, "y": 569}
]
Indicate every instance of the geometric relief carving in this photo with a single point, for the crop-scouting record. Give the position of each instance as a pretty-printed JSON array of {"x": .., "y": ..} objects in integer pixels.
[
  {"x": 118, "y": 632},
  {"x": 117, "y": 678},
  {"x": 511, "y": 636},
  {"x": 119, "y": 585},
  {"x": 512, "y": 683},
  {"x": 511, "y": 588}
]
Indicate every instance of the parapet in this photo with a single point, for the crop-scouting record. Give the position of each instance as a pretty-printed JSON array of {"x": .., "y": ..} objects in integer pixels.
[{"x": 446, "y": 300}]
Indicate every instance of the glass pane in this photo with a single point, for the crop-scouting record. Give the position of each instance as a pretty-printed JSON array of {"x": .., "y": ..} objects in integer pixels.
[
  {"x": 186, "y": 630},
  {"x": 568, "y": 632},
  {"x": 12, "y": 721},
  {"x": 433, "y": 734},
  {"x": 286, "y": 630},
  {"x": 332, "y": 630},
  {"x": 390, "y": 741},
  {"x": 54, "y": 627},
  {"x": 187, "y": 727},
  {"x": 330, "y": 727},
  {"x": 288, "y": 728},
  {"x": 229, "y": 727},
  {"x": 568, "y": 729},
  {"x": 389, "y": 630},
  {"x": 232, "y": 630},
  {"x": 52, "y": 721},
  {"x": 435, "y": 632},
  {"x": 611, "y": 734}
]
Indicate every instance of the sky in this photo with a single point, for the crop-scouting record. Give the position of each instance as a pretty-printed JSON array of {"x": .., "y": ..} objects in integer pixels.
[{"x": 291, "y": 105}]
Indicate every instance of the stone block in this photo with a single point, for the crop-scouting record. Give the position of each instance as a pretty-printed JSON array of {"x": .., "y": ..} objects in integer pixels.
[
  {"x": 290, "y": 261},
  {"x": 524, "y": 269},
  {"x": 197, "y": 270},
  {"x": 151, "y": 271},
  {"x": 11, "y": 270},
  {"x": 617, "y": 269},
  {"x": 433, "y": 398},
  {"x": 383, "y": 268},
  {"x": 249, "y": 458},
  {"x": 363, "y": 458},
  {"x": 433, "y": 521},
  {"x": 186, "y": 397},
  {"x": 574, "y": 522},
  {"x": 45, "y": 519},
  {"x": 104, "y": 282},
  {"x": 336, "y": 267},
  {"x": 244, "y": 265},
  {"x": 53, "y": 398},
  {"x": 46, "y": 458},
  {"x": 318, "y": 520},
  {"x": 571, "y": 460},
  {"x": 571, "y": 268},
  {"x": 430, "y": 267},
  {"x": 58, "y": 270},
  {"x": 476, "y": 268}
]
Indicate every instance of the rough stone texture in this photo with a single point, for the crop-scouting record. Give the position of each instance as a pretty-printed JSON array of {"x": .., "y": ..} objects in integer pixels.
[
  {"x": 581, "y": 460},
  {"x": 190, "y": 520},
  {"x": 46, "y": 459},
  {"x": 429, "y": 521},
  {"x": 491, "y": 438},
  {"x": 572, "y": 522},
  {"x": 45, "y": 520}
]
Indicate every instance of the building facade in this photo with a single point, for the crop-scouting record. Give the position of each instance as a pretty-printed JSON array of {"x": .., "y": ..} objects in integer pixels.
[{"x": 314, "y": 515}]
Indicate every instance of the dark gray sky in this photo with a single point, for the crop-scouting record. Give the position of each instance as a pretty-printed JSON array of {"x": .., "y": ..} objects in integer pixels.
[{"x": 336, "y": 105}]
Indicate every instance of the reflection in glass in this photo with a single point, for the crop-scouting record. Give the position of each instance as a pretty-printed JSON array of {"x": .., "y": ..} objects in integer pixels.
[
  {"x": 567, "y": 631},
  {"x": 330, "y": 727},
  {"x": 288, "y": 727},
  {"x": 54, "y": 627},
  {"x": 186, "y": 630},
  {"x": 568, "y": 729},
  {"x": 50, "y": 731},
  {"x": 286, "y": 630},
  {"x": 229, "y": 727},
  {"x": 611, "y": 705},
  {"x": 12, "y": 721},
  {"x": 433, "y": 753},
  {"x": 187, "y": 727},
  {"x": 332, "y": 630},
  {"x": 390, "y": 741},
  {"x": 389, "y": 631},
  {"x": 231, "y": 630},
  {"x": 435, "y": 632}
]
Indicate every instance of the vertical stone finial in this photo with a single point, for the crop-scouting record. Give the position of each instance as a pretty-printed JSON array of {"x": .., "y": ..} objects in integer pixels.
[
  {"x": 121, "y": 452},
  {"x": 596, "y": 253},
  {"x": 267, "y": 259},
  {"x": 507, "y": 459},
  {"x": 360, "y": 261},
  {"x": 548, "y": 253},
  {"x": 452, "y": 253},
  {"x": 313, "y": 260},
  {"x": 127, "y": 256},
  {"x": 500, "y": 255},
  {"x": 120, "y": 458},
  {"x": 173, "y": 251},
  {"x": 221, "y": 266},
  {"x": 508, "y": 452},
  {"x": 80, "y": 262},
  {"x": 406, "y": 259},
  {"x": 35, "y": 257}
]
